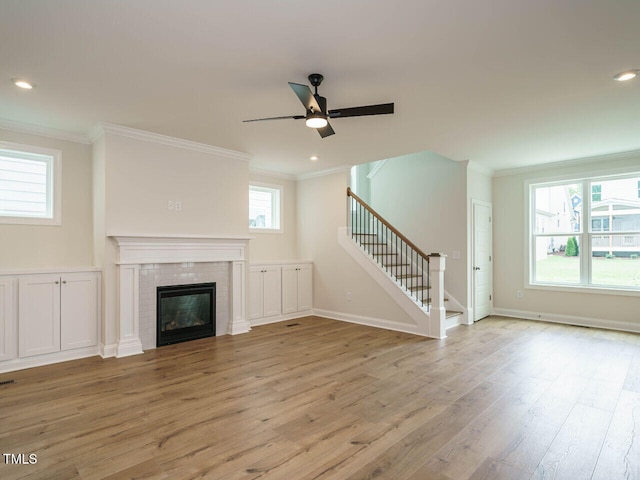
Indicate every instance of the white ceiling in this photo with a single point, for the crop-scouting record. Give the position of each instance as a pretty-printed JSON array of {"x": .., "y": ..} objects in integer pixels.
[{"x": 504, "y": 83}]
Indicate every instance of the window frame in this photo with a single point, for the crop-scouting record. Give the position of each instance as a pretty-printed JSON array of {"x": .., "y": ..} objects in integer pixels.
[
  {"x": 584, "y": 237},
  {"x": 278, "y": 209},
  {"x": 54, "y": 186}
]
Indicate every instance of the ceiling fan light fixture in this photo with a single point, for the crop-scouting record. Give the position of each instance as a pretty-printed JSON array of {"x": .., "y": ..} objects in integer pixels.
[
  {"x": 626, "y": 75},
  {"x": 316, "y": 121}
]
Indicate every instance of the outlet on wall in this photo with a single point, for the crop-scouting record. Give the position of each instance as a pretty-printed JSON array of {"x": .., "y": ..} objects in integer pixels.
[
  {"x": 170, "y": 205},
  {"x": 348, "y": 296},
  {"x": 178, "y": 205},
  {"x": 519, "y": 294}
]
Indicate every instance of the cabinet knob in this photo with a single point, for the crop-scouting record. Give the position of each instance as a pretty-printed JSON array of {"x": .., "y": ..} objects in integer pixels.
[
  {"x": 57, "y": 282},
  {"x": 64, "y": 281}
]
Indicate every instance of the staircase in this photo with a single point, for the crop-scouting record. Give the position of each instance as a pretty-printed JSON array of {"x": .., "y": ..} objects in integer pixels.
[
  {"x": 410, "y": 276},
  {"x": 413, "y": 278}
]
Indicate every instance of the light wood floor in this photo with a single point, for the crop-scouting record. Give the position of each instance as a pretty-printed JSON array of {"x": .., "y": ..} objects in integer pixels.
[{"x": 321, "y": 399}]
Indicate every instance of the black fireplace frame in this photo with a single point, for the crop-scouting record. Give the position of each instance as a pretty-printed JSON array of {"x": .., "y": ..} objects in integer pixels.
[{"x": 178, "y": 335}]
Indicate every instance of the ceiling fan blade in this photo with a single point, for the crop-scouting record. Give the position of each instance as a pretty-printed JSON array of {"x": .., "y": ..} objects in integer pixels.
[
  {"x": 294, "y": 117},
  {"x": 305, "y": 95},
  {"x": 382, "y": 109},
  {"x": 326, "y": 131}
]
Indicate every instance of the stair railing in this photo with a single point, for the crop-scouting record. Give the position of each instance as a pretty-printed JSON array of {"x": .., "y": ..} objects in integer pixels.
[{"x": 393, "y": 251}]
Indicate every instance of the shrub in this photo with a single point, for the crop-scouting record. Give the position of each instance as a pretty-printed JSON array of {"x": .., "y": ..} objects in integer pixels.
[
  {"x": 572, "y": 249},
  {"x": 609, "y": 255},
  {"x": 633, "y": 256}
]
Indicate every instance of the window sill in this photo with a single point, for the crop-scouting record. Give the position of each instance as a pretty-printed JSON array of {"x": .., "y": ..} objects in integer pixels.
[
  {"x": 265, "y": 230},
  {"x": 51, "y": 222},
  {"x": 599, "y": 290}
]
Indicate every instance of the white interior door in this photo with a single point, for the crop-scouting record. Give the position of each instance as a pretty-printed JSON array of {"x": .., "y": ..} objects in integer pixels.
[{"x": 482, "y": 260}]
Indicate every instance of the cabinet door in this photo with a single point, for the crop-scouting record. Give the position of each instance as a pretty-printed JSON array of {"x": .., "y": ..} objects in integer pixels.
[
  {"x": 289, "y": 289},
  {"x": 256, "y": 295},
  {"x": 7, "y": 337},
  {"x": 79, "y": 310},
  {"x": 305, "y": 287},
  {"x": 39, "y": 315},
  {"x": 272, "y": 291}
]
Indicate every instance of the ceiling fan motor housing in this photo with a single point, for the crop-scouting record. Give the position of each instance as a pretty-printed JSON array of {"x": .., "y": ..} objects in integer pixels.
[{"x": 322, "y": 103}]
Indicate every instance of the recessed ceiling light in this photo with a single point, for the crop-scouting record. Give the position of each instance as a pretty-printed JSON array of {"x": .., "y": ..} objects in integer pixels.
[
  {"x": 23, "y": 84},
  {"x": 313, "y": 158},
  {"x": 627, "y": 75}
]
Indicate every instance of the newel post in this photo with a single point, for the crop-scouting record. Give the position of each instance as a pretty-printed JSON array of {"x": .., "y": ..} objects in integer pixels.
[{"x": 437, "y": 311}]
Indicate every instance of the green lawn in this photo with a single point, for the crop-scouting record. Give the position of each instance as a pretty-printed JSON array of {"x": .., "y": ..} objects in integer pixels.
[{"x": 606, "y": 271}]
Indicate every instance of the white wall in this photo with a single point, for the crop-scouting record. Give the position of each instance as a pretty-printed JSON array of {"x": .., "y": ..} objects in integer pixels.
[
  {"x": 479, "y": 184},
  {"x": 69, "y": 244},
  {"x": 510, "y": 254},
  {"x": 142, "y": 176},
  {"x": 424, "y": 195},
  {"x": 322, "y": 208},
  {"x": 277, "y": 246}
]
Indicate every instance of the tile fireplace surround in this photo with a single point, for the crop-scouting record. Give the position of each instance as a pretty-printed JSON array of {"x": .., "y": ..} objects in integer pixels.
[{"x": 135, "y": 254}]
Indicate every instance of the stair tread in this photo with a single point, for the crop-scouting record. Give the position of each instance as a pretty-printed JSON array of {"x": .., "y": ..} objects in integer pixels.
[
  {"x": 452, "y": 313},
  {"x": 419, "y": 287}
]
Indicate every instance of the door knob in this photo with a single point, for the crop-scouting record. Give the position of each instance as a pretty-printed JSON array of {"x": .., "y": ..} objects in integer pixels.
[{"x": 476, "y": 268}]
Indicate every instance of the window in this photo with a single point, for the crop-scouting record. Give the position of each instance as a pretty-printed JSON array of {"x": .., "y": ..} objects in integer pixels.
[
  {"x": 265, "y": 207},
  {"x": 29, "y": 185},
  {"x": 596, "y": 242}
]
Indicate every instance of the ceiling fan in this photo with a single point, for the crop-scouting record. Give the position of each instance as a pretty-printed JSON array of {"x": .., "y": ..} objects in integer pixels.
[{"x": 317, "y": 115}]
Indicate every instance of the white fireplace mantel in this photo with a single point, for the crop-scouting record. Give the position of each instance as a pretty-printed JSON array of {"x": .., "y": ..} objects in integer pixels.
[{"x": 136, "y": 250}]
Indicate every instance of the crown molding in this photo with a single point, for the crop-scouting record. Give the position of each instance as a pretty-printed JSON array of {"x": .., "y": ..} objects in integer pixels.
[
  {"x": 101, "y": 128},
  {"x": 322, "y": 173},
  {"x": 576, "y": 162},
  {"x": 378, "y": 165},
  {"x": 271, "y": 173},
  {"x": 477, "y": 167},
  {"x": 44, "y": 131}
]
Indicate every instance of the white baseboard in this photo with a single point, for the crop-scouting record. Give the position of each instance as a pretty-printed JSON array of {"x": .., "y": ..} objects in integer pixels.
[
  {"x": 128, "y": 347},
  {"x": 569, "y": 320},
  {"x": 369, "y": 321},
  {"x": 48, "y": 359},
  {"x": 280, "y": 318},
  {"x": 239, "y": 327},
  {"x": 107, "y": 351},
  {"x": 455, "y": 321}
]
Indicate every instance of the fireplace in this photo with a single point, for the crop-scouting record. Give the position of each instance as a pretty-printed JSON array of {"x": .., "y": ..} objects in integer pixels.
[{"x": 185, "y": 312}]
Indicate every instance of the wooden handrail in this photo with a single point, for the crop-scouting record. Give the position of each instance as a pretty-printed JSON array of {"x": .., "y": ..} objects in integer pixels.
[{"x": 386, "y": 223}]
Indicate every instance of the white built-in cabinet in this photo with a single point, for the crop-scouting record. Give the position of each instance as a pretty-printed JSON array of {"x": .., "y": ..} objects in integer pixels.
[
  {"x": 56, "y": 312},
  {"x": 279, "y": 291},
  {"x": 296, "y": 288},
  {"x": 265, "y": 290},
  {"x": 48, "y": 317}
]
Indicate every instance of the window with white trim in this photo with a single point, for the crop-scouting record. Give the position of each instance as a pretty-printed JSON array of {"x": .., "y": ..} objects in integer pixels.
[
  {"x": 583, "y": 240},
  {"x": 29, "y": 185},
  {"x": 265, "y": 207}
]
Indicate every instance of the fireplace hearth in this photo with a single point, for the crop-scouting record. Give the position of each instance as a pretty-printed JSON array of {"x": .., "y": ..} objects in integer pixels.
[{"x": 185, "y": 312}]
